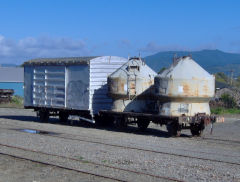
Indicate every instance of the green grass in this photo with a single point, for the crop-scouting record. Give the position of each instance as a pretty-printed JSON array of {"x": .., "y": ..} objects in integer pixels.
[
  {"x": 82, "y": 159},
  {"x": 16, "y": 102},
  {"x": 222, "y": 110}
]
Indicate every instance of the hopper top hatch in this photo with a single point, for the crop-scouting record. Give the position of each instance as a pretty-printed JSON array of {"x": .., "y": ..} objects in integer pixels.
[
  {"x": 135, "y": 66},
  {"x": 185, "y": 68}
]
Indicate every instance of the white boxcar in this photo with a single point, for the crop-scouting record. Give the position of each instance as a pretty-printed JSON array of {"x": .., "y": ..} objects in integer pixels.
[{"x": 69, "y": 84}]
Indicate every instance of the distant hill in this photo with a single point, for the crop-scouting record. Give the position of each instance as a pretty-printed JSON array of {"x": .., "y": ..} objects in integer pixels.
[
  {"x": 8, "y": 65},
  {"x": 211, "y": 60}
]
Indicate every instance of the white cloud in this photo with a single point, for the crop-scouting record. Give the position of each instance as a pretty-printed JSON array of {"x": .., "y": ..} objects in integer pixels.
[{"x": 12, "y": 51}]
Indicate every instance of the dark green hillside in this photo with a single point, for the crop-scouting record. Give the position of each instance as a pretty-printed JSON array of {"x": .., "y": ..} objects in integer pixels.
[{"x": 211, "y": 60}]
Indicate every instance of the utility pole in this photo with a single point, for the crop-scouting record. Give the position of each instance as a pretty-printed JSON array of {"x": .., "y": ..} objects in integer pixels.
[{"x": 231, "y": 77}]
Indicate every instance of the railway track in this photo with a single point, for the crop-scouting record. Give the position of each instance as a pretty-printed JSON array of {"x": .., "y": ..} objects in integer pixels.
[
  {"x": 61, "y": 167},
  {"x": 221, "y": 140},
  {"x": 81, "y": 161},
  {"x": 218, "y": 141},
  {"x": 71, "y": 137},
  {"x": 228, "y": 142}
]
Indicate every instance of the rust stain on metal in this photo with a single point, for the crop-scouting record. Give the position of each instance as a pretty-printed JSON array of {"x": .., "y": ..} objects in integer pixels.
[
  {"x": 132, "y": 86},
  {"x": 205, "y": 89},
  {"x": 196, "y": 92},
  {"x": 121, "y": 87},
  {"x": 151, "y": 82},
  {"x": 170, "y": 91},
  {"x": 147, "y": 84},
  {"x": 186, "y": 89},
  {"x": 194, "y": 78},
  {"x": 200, "y": 107}
]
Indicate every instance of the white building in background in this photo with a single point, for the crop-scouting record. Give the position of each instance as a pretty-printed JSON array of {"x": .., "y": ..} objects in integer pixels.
[{"x": 12, "y": 78}]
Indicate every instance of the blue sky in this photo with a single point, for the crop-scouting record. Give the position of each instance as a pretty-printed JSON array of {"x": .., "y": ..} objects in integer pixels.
[{"x": 44, "y": 28}]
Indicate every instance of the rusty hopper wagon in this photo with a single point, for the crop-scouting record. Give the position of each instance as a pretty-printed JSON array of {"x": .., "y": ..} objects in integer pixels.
[
  {"x": 131, "y": 88},
  {"x": 69, "y": 86},
  {"x": 182, "y": 94}
]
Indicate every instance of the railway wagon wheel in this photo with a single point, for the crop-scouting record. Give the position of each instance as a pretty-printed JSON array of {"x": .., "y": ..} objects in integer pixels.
[
  {"x": 197, "y": 129},
  {"x": 43, "y": 116},
  {"x": 120, "y": 122},
  {"x": 103, "y": 120},
  {"x": 142, "y": 124},
  {"x": 63, "y": 116},
  {"x": 173, "y": 129}
]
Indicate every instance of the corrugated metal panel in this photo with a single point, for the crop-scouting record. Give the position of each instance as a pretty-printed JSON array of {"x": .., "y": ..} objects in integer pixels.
[
  {"x": 49, "y": 86},
  {"x": 100, "y": 69},
  {"x": 85, "y": 85}
]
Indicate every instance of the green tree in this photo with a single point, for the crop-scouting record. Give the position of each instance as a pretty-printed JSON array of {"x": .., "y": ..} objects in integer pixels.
[
  {"x": 228, "y": 100},
  {"x": 221, "y": 77}
]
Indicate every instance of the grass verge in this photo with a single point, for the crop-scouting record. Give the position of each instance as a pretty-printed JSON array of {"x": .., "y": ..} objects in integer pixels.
[
  {"x": 16, "y": 102},
  {"x": 222, "y": 110}
]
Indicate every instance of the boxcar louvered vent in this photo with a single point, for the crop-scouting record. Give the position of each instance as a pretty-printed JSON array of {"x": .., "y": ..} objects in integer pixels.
[{"x": 49, "y": 86}]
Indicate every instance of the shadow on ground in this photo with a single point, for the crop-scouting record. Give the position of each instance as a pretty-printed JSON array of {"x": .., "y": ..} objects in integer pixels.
[{"x": 76, "y": 123}]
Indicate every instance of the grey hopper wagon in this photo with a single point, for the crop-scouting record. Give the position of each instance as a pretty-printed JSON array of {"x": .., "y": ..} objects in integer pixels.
[
  {"x": 181, "y": 96},
  {"x": 129, "y": 86},
  {"x": 69, "y": 86},
  {"x": 183, "y": 91}
]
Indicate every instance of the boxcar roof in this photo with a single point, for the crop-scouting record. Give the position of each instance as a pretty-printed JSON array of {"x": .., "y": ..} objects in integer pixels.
[{"x": 59, "y": 61}]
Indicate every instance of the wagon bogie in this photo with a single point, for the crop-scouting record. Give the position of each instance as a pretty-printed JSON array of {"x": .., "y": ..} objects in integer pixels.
[{"x": 63, "y": 116}]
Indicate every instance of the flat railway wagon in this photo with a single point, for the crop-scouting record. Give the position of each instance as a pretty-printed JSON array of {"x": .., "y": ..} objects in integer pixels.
[{"x": 69, "y": 86}]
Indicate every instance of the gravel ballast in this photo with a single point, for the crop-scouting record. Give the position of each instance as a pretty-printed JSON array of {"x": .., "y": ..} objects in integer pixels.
[{"x": 185, "y": 158}]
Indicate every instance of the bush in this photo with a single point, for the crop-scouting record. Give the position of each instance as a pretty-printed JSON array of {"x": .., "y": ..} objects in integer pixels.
[
  {"x": 17, "y": 100},
  {"x": 228, "y": 101},
  {"x": 218, "y": 110}
]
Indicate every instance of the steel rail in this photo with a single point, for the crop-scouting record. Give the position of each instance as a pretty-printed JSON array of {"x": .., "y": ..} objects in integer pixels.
[
  {"x": 62, "y": 167},
  {"x": 121, "y": 146},
  {"x": 141, "y": 149},
  {"x": 148, "y": 150},
  {"x": 93, "y": 163}
]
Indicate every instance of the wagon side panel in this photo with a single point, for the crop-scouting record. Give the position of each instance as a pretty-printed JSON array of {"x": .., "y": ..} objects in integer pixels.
[
  {"x": 77, "y": 87},
  {"x": 100, "y": 69}
]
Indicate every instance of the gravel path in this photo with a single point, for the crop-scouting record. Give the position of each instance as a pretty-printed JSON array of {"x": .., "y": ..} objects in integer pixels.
[{"x": 223, "y": 145}]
